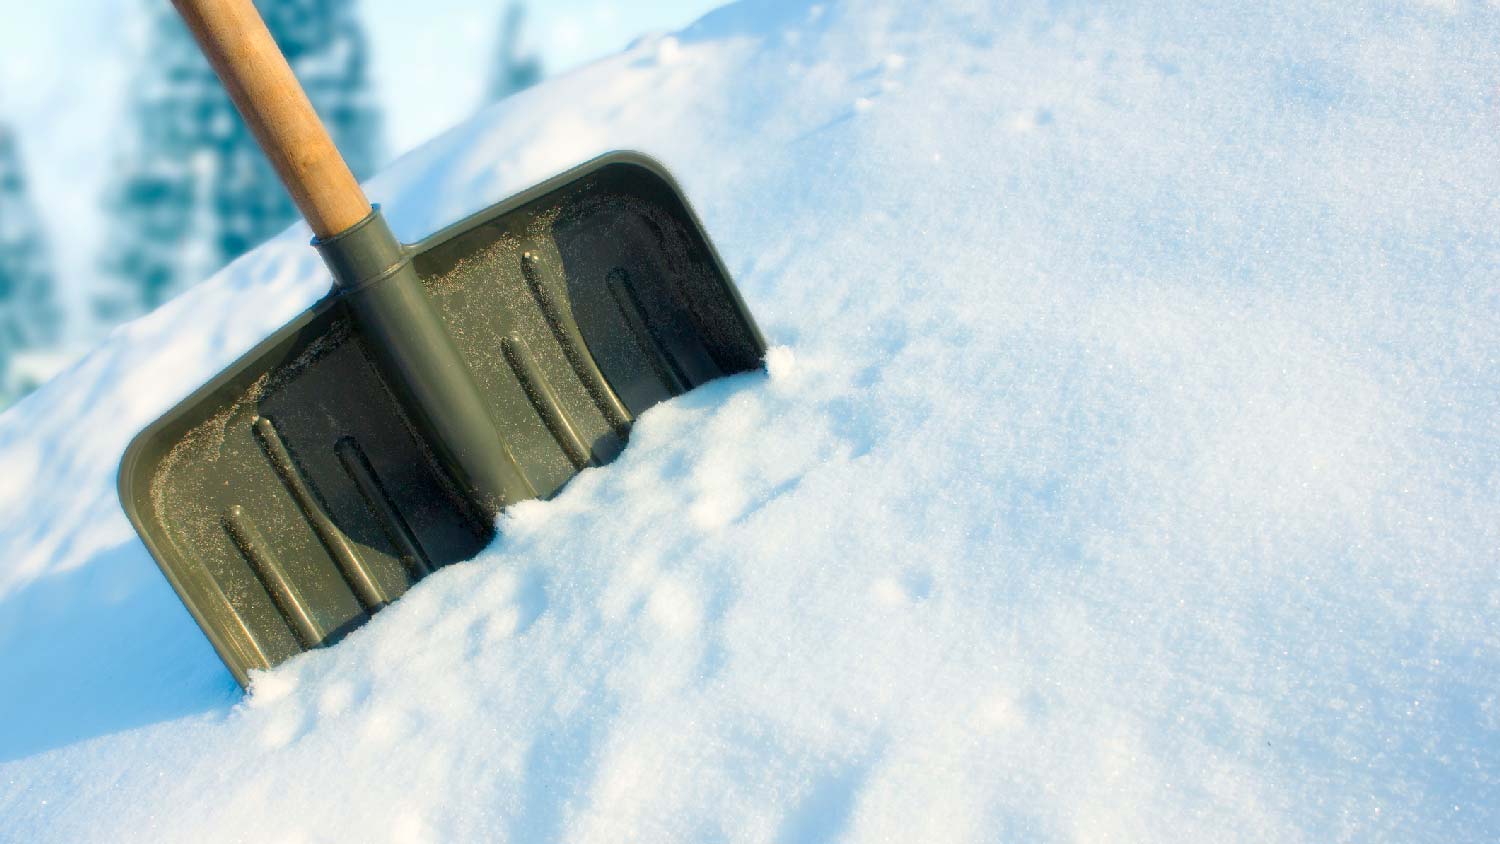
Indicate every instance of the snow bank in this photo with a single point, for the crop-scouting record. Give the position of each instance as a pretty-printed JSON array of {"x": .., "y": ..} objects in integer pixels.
[{"x": 1126, "y": 468}]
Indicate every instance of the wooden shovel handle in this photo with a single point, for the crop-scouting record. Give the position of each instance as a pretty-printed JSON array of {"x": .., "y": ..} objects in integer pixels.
[{"x": 259, "y": 80}]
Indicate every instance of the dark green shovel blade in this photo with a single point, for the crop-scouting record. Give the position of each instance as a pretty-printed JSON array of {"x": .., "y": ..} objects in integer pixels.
[{"x": 291, "y": 497}]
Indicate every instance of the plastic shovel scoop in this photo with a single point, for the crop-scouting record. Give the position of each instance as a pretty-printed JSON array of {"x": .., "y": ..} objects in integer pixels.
[{"x": 374, "y": 438}]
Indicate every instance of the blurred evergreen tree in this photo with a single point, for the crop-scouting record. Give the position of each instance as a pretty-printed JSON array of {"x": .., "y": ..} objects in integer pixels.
[
  {"x": 29, "y": 316},
  {"x": 513, "y": 71},
  {"x": 194, "y": 192}
]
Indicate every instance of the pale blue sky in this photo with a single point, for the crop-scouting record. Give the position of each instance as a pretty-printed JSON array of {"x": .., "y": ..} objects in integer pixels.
[{"x": 445, "y": 48}]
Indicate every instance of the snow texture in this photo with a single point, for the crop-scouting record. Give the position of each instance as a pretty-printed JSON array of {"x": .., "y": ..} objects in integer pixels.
[{"x": 1126, "y": 468}]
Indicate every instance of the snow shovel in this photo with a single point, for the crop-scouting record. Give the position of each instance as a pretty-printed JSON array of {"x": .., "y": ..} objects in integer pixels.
[{"x": 374, "y": 438}]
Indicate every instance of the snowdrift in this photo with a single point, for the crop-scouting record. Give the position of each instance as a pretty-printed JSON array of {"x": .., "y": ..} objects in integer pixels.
[{"x": 1126, "y": 467}]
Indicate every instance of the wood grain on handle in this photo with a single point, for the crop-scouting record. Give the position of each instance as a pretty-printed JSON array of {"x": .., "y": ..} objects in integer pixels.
[{"x": 260, "y": 82}]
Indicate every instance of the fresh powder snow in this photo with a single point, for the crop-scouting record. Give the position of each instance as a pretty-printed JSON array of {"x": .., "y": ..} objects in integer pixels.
[{"x": 1126, "y": 467}]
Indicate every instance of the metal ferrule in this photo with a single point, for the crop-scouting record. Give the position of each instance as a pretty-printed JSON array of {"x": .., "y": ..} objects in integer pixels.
[{"x": 361, "y": 253}]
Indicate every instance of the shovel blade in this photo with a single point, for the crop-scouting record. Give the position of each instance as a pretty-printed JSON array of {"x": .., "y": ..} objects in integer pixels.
[{"x": 292, "y": 496}]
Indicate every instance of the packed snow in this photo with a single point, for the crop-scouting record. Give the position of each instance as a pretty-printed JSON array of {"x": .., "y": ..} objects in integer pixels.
[{"x": 1126, "y": 467}]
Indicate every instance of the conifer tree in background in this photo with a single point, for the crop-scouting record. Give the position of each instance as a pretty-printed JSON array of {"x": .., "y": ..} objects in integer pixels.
[
  {"x": 194, "y": 191},
  {"x": 513, "y": 71},
  {"x": 29, "y": 316}
]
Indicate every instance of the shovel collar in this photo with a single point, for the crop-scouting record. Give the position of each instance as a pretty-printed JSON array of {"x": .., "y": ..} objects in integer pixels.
[{"x": 363, "y": 253}]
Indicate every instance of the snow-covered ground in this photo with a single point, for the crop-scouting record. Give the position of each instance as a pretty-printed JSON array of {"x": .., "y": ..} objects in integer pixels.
[{"x": 1127, "y": 468}]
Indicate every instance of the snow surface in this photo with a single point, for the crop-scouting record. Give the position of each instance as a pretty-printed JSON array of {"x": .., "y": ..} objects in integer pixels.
[{"x": 1126, "y": 468}]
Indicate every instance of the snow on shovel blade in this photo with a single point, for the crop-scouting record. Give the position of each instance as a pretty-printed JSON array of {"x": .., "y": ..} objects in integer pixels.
[{"x": 296, "y": 494}]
